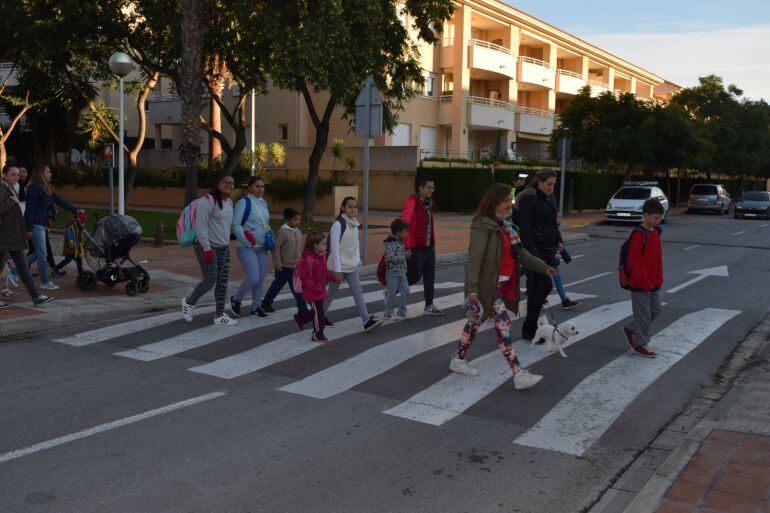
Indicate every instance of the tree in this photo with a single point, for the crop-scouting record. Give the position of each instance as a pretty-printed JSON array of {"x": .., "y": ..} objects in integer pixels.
[
  {"x": 324, "y": 49},
  {"x": 21, "y": 104}
]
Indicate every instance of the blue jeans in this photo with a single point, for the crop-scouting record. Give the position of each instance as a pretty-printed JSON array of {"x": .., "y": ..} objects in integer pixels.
[
  {"x": 41, "y": 252},
  {"x": 396, "y": 285},
  {"x": 559, "y": 283},
  {"x": 282, "y": 277},
  {"x": 254, "y": 262}
]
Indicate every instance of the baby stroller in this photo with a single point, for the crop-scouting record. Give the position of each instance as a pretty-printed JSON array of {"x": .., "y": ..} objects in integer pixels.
[{"x": 107, "y": 250}]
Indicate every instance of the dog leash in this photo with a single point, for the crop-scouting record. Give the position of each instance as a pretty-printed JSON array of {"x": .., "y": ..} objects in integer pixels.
[{"x": 553, "y": 319}]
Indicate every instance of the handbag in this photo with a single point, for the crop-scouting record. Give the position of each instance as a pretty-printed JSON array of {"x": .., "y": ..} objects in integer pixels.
[{"x": 269, "y": 242}]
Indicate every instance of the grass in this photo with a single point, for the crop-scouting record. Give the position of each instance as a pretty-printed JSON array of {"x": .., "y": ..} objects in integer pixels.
[{"x": 148, "y": 219}]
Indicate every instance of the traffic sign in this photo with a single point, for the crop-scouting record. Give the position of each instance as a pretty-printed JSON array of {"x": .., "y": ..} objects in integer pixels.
[
  {"x": 369, "y": 110},
  {"x": 109, "y": 155}
]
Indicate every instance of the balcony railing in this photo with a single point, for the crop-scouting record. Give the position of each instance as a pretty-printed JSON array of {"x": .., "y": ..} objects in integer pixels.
[
  {"x": 445, "y": 98},
  {"x": 569, "y": 74},
  {"x": 600, "y": 85},
  {"x": 491, "y": 46},
  {"x": 447, "y": 41},
  {"x": 480, "y": 100},
  {"x": 535, "y": 112},
  {"x": 536, "y": 62},
  {"x": 168, "y": 97}
]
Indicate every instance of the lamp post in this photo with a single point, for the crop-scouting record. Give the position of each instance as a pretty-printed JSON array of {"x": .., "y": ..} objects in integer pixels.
[{"x": 121, "y": 65}]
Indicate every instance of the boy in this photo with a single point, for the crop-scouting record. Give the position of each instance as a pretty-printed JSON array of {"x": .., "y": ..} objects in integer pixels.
[
  {"x": 286, "y": 254},
  {"x": 644, "y": 265},
  {"x": 395, "y": 270}
]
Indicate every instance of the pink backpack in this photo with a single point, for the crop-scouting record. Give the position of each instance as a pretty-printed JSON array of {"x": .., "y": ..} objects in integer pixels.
[
  {"x": 185, "y": 225},
  {"x": 296, "y": 280}
]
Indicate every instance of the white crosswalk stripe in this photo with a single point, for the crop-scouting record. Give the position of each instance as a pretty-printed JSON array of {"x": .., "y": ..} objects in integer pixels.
[
  {"x": 127, "y": 328},
  {"x": 382, "y": 358},
  {"x": 456, "y": 393},
  {"x": 298, "y": 343},
  {"x": 210, "y": 334},
  {"x": 581, "y": 417}
]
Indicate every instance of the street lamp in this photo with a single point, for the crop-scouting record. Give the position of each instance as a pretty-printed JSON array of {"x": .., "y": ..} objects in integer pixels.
[{"x": 121, "y": 65}]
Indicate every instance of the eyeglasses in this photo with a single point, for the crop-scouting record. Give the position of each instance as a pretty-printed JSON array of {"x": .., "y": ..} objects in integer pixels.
[{"x": 223, "y": 182}]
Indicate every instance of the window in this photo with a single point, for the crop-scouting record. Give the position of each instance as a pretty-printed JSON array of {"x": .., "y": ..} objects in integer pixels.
[
  {"x": 633, "y": 193},
  {"x": 283, "y": 131},
  {"x": 429, "y": 84}
]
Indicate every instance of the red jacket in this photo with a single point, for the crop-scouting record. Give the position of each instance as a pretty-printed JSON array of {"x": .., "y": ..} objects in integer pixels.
[
  {"x": 314, "y": 276},
  {"x": 645, "y": 265},
  {"x": 415, "y": 213}
]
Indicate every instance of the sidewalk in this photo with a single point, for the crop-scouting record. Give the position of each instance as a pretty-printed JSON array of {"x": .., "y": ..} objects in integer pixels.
[
  {"x": 174, "y": 272},
  {"x": 715, "y": 456}
]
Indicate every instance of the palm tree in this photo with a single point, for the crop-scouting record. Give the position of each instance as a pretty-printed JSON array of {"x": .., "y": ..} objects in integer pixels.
[{"x": 190, "y": 90}]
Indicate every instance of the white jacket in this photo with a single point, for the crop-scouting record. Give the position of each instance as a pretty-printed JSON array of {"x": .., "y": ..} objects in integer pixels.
[{"x": 344, "y": 254}]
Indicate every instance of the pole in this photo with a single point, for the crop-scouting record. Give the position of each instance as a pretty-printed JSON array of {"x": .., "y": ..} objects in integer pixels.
[
  {"x": 121, "y": 170},
  {"x": 563, "y": 173},
  {"x": 366, "y": 167},
  {"x": 112, "y": 191},
  {"x": 253, "y": 145}
]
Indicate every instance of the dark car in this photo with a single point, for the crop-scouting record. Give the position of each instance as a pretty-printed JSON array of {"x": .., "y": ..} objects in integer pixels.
[
  {"x": 708, "y": 198},
  {"x": 753, "y": 204}
]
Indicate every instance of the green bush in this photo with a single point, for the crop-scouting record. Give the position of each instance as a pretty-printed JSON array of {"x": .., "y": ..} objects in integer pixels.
[
  {"x": 283, "y": 190},
  {"x": 458, "y": 189}
]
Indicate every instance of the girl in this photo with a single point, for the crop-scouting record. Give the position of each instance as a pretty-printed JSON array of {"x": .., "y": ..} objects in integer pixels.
[
  {"x": 250, "y": 225},
  {"x": 213, "y": 221},
  {"x": 313, "y": 274},
  {"x": 492, "y": 282},
  {"x": 345, "y": 261},
  {"x": 40, "y": 199}
]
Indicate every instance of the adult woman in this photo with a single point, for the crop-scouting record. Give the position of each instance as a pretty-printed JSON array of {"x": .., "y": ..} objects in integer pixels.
[
  {"x": 250, "y": 225},
  {"x": 541, "y": 237},
  {"x": 345, "y": 261},
  {"x": 21, "y": 188},
  {"x": 492, "y": 282},
  {"x": 12, "y": 233},
  {"x": 40, "y": 199},
  {"x": 213, "y": 220}
]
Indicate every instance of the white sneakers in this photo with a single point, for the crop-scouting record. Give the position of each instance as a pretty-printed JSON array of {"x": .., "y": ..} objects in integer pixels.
[
  {"x": 461, "y": 367},
  {"x": 225, "y": 320},
  {"x": 525, "y": 379},
  {"x": 49, "y": 285},
  {"x": 187, "y": 310}
]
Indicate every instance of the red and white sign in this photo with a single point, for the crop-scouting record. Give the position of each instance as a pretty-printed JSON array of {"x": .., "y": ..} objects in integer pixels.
[{"x": 109, "y": 156}]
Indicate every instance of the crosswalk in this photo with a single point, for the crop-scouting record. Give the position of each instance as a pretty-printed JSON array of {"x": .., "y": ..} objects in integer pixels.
[{"x": 574, "y": 425}]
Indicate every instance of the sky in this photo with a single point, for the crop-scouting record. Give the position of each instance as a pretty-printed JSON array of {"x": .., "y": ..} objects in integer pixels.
[{"x": 677, "y": 40}]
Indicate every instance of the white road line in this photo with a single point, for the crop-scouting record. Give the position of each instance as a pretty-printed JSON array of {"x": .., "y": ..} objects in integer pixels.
[
  {"x": 204, "y": 336},
  {"x": 739, "y": 233},
  {"x": 577, "y": 256},
  {"x": 126, "y": 328},
  {"x": 691, "y": 247},
  {"x": 454, "y": 394},
  {"x": 587, "y": 279},
  {"x": 42, "y": 446},
  {"x": 583, "y": 415},
  {"x": 764, "y": 225},
  {"x": 298, "y": 343},
  {"x": 379, "y": 359}
]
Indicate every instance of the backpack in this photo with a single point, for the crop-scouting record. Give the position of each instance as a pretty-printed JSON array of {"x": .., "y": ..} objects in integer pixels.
[
  {"x": 381, "y": 270},
  {"x": 343, "y": 227},
  {"x": 624, "y": 275},
  {"x": 296, "y": 280},
  {"x": 185, "y": 225},
  {"x": 246, "y": 214}
]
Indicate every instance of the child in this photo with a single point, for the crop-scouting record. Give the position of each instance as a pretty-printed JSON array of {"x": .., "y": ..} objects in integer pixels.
[
  {"x": 312, "y": 272},
  {"x": 559, "y": 257},
  {"x": 287, "y": 252},
  {"x": 395, "y": 270},
  {"x": 644, "y": 265},
  {"x": 72, "y": 249}
]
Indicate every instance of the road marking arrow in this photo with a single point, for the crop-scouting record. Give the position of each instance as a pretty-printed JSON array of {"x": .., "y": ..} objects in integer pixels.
[{"x": 720, "y": 271}]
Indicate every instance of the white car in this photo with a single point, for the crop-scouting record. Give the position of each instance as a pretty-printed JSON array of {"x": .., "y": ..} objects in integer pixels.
[{"x": 626, "y": 204}]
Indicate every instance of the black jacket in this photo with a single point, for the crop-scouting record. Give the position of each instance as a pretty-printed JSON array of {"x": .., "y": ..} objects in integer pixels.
[{"x": 539, "y": 230}]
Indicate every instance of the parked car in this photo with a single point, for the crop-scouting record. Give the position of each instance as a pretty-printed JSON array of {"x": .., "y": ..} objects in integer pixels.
[
  {"x": 753, "y": 204},
  {"x": 626, "y": 204},
  {"x": 708, "y": 198}
]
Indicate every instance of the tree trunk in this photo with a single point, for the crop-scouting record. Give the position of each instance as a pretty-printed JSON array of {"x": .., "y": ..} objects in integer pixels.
[
  {"x": 234, "y": 155},
  {"x": 215, "y": 122},
  {"x": 628, "y": 172},
  {"x": 133, "y": 155},
  {"x": 314, "y": 162},
  {"x": 3, "y": 155},
  {"x": 190, "y": 91}
]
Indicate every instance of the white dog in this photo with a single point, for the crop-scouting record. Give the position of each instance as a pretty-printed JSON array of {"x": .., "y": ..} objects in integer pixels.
[{"x": 555, "y": 337}]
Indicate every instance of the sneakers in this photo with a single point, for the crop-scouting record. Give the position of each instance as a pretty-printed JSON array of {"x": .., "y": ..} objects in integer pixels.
[
  {"x": 187, "y": 310},
  {"x": 402, "y": 317},
  {"x": 298, "y": 322},
  {"x": 525, "y": 379},
  {"x": 461, "y": 367},
  {"x": 259, "y": 312},
  {"x": 372, "y": 323},
  {"x": 3, "y": 304},
  {"x": 629, "y": 337},
  {"x": 225, "y": 320},
  {"x": 391, "y": 317},
  {"x": 49, "y": 285},
  {"x": 235, "y": 306},
  {"x": 7, "y": 293},
  {"x": 568, "y": 303},
  {"x": 432, "y": 309},
  {"x": 643, "y": 351},
  {"x": 41, "y": 300},
  {"x": 267, "y": 308},
  {"x": 319, "y": 338}
]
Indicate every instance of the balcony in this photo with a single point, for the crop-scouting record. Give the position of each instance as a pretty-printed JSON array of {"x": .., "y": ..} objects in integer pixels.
[
  {"x": 569, "y": 82},
  {"x": 485, "y": 113},
  {"x": 536, "y": 72},
  {"x": 445, "y": 109},
  {"x": 447, "y": 52},
  {"x": 165, "y": 109},
  {"x": 5, "y": 70},
  {"x": 486, "y": 56},
  {"x": 534, "y": 121},
  {"x": 598, "y": 88}
]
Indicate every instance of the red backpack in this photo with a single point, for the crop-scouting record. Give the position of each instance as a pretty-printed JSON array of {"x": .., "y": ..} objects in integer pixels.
[{"x": 381, "y": 270}]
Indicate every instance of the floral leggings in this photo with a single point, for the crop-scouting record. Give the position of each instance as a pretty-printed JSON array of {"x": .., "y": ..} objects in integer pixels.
[{"x": 503, "y": 331}]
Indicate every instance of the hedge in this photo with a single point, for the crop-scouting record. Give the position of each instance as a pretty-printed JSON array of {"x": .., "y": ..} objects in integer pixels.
[{"x": 458, "y": 189}]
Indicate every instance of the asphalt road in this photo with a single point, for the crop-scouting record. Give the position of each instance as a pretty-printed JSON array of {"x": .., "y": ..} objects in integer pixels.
[{"x": 370, "y": 422}]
